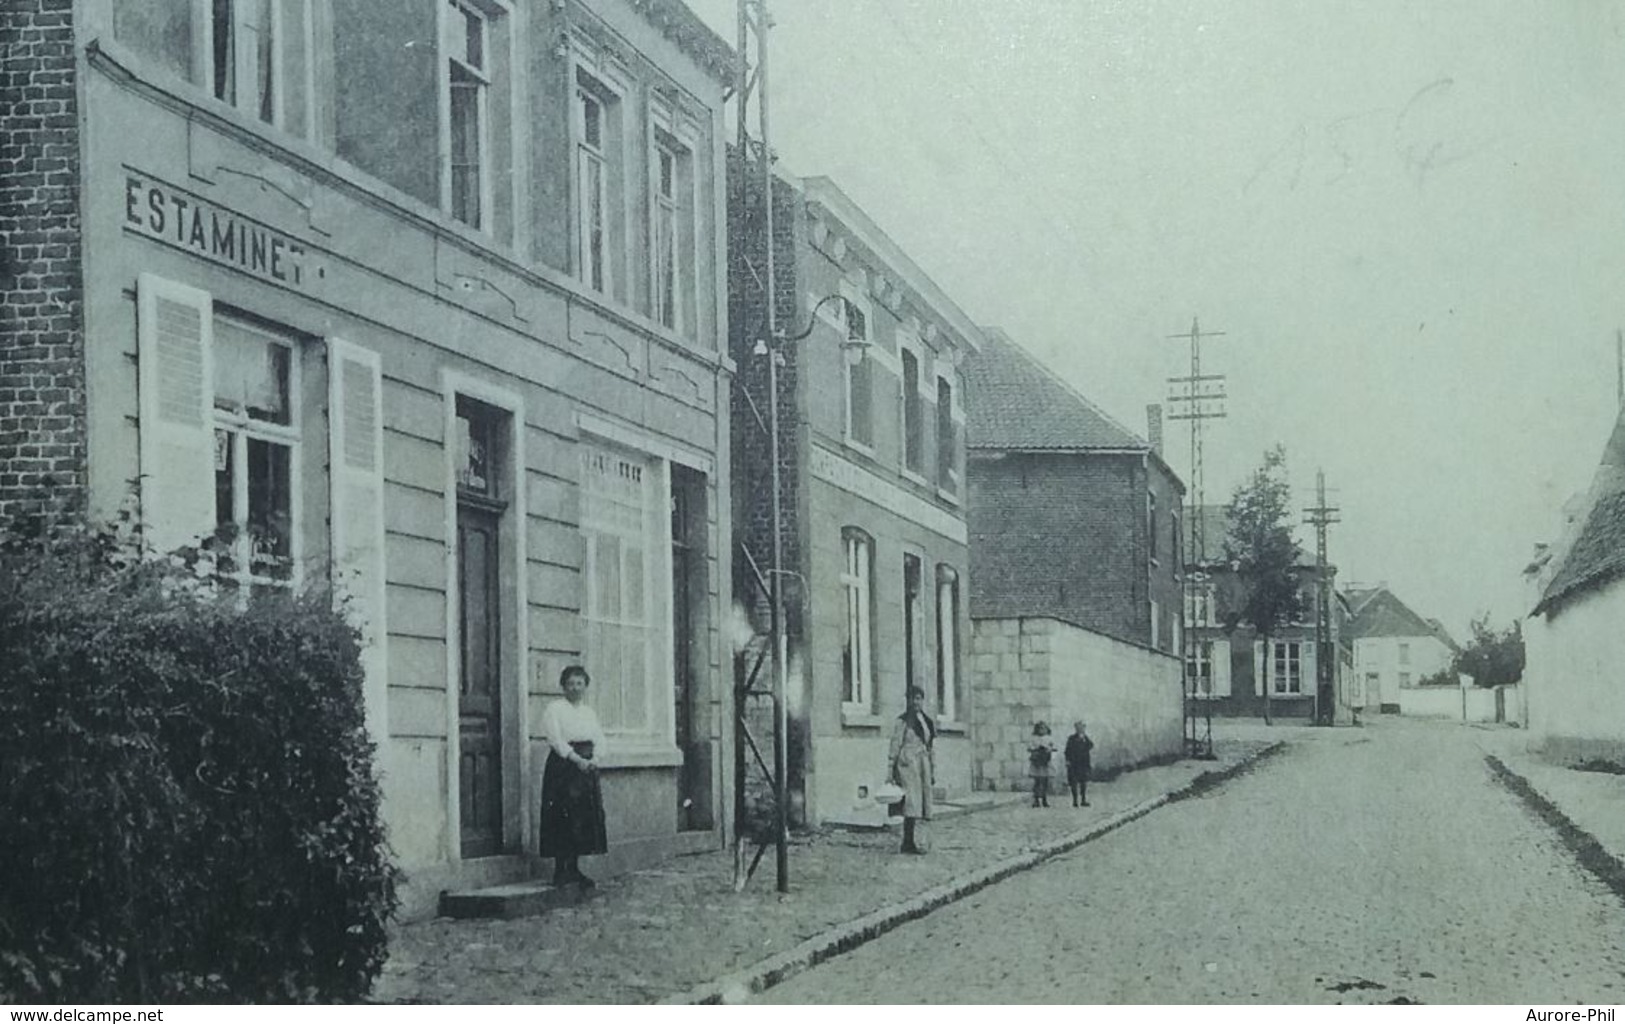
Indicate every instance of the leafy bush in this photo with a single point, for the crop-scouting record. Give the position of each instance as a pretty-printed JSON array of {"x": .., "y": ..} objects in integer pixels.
[{"x": 189, "y": 805}]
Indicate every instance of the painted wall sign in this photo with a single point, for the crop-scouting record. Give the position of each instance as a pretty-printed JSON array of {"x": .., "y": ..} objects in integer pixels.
[
  {"x": 833, "y": 469},
  {"x": 179, "y": 218}
]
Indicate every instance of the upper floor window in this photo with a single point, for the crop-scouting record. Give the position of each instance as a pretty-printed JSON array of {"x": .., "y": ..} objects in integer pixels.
[
  {"x": 1151, "y": 524},
  {"x": 947, "y": 438},
  {"x": 913, "y": 415},
  {"x": 1404, "y": 654},
  {"x": 246, "y": 40},
  {"x": 468, "y": 75},
  {"x": 672, "y": 233},
  {"x": 598, "y": 180},
  {"x": 1199, "y": 602},
  {"x": 860, "y": 417}
]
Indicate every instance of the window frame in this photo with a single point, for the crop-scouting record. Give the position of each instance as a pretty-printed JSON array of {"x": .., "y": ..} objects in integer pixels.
[
  {"x": 1200, "y": 655},
  {"x": 857, "y": 578},
  {"x": 450, "y": 61},
  {"x": 609, "y": 86},
  {"x": 243, "y": 428},
  {"x": 1290, "y": 655},
  {"x": 909, "y": 346},
  {"x": 674, "y": 133},
  {"x": 1151, "y": 526},
  {"x": 245, "y": 61},
  {"x": 949, "y": 450},
  {"x": 658, "y": 731},
  {"x": 948, "y": 647},
  {"x": 853, "y": 299}
]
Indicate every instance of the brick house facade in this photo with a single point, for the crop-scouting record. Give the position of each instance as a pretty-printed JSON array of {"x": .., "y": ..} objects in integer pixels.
[
  {"x": 42, "y": 370},
  {"x": 455, "y": 344},
  {"x": 872, "y": 463},
  {"x": 1072, "y": 515}
]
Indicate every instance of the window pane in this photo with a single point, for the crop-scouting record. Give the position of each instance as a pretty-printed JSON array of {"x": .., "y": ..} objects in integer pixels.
[
  {"x": 666, "y": 264},
  {"x": 225, "y": 64},
  {"x": 634, "y": 667},
  {"x": 270, "y": 509},
  {"x": 474, "y": 33},
  {"x": 592, "y": 120},
  {"x": 465, "y": 146},
  {"x": 251, "y": 373},
  {"x": 606, "y": 603},
  {"x": 592, "y": 219}
]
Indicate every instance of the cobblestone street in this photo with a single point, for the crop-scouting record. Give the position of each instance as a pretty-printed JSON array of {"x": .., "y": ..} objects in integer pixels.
[
  {"x": 655, "y": 933},
  {"x": 1372, "y": 866}
]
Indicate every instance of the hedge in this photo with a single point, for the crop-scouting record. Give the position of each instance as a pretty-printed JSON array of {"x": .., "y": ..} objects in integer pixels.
[{"x": 189, "y": 803}]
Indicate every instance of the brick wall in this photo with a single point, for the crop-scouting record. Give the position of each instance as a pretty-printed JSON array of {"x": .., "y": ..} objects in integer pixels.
[
  {"x": 1060, "y": 536},
  {"x": 42, "y": 384}
]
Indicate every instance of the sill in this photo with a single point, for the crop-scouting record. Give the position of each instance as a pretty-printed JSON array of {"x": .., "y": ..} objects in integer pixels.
[
  {"x": 858, "y": 446},
  {"x": 913, "y": 477},
  {"x": 641, "y": 757},
  {"x": 1291, "y": 696},
  {"x": 858, "y": 717},
  {"x": 952, "y": 728},
  {"x": 951, "y": 497}
]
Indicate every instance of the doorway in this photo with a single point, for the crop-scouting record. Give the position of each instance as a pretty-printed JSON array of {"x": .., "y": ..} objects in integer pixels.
[{"x": 480, "y": 508}]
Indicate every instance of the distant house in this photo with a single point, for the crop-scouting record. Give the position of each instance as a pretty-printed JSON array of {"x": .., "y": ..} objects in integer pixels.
[
  {"x": 1229, "y": 667},
  {"x": 1075, "y": 581},
  {"x": 1395, "y": 649},
  {"x": 1574, "y": 700}
]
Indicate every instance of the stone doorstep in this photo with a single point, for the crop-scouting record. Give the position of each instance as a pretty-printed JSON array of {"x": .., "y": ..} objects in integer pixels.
[{"x": 517, "y": 899}]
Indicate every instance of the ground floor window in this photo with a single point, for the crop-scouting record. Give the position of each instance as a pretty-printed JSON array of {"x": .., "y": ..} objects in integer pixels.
[
  {"x": 857, "y": 654},
  {"x": 1199, "y": 669},
  {"x": 947, "y": 643},
  {"x": 1286, "y": 667},
  {"x": 626, "y": 587}
]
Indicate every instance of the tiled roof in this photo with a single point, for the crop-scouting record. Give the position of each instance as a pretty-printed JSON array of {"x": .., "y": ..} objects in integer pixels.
[
  {"x": 1598, "y": 553},
  {"x": 1380, "y": 612},
  {"x": 1016, "y": 403}
]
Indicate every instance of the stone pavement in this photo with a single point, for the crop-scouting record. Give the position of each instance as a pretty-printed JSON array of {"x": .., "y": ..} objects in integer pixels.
[{"x": 658, "y": 933}]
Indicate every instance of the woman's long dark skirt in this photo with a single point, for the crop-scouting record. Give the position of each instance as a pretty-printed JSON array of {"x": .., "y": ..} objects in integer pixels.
[{"x": 572, "y": 811}]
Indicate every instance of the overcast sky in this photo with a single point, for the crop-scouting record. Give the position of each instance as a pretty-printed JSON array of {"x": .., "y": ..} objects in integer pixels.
[{"x": 1408, "y": 218}]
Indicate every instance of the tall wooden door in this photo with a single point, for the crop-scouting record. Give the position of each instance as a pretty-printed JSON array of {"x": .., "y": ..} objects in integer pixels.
[{"x": 480, "y": 693}]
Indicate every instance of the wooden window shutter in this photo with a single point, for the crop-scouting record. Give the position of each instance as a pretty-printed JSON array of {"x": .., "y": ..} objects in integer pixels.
[
  {"x": 1221, "y": 668},
  {"x": 175, "y": 340},
  {"x": 1261, "y": 668},
  {"x": 356, "y": 466},
  {"x": 1307, "y": 664}
]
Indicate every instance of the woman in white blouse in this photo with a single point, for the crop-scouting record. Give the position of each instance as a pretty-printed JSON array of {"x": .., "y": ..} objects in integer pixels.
[{"x": 572, "y": 803}]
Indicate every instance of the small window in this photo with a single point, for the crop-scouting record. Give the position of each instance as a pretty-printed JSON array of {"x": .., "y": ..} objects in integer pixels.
[{"x": 1151, "y": 524}]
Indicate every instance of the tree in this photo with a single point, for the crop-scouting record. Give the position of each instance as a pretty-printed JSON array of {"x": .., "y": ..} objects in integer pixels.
[
  {"x": 1492, "y": 658},
  {"x": 1260, "y": 548}
]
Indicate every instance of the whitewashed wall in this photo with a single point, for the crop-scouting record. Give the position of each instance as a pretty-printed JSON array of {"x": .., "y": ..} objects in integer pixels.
[{"x": 1574, "y": 678}]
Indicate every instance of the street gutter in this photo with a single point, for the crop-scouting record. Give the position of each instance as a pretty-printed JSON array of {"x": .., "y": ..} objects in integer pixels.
[
  {"x": 740, "y": 985},
  {"x": 1591, "y": 854}
]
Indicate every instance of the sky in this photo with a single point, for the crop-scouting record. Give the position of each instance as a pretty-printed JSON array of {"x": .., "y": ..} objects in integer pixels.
[{"x": 1407, "y": 219}]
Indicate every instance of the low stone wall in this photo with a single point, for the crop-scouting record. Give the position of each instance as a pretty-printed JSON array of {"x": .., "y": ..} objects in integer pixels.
[
  {"x": 1031, "y": 669},
  {"x": 1469, "y": 704}
]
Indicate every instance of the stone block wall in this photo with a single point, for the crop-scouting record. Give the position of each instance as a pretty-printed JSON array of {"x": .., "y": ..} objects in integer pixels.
[
  {"x": 1023, "y": 670},
  {"x": 42, "y": 379}
]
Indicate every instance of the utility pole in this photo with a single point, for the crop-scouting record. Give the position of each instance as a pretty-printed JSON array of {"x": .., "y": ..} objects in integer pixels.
[
  {"x": 1320, "y": 517},
  {"x": 1196, "y": 398},
  {"x": 755, "y": 158}
]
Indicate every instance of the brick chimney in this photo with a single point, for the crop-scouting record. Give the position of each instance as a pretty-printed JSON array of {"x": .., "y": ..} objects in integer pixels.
[{"x": 1153, "y": 427}]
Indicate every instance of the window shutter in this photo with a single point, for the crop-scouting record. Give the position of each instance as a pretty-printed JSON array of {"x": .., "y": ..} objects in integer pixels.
[
  {"x": 1221, "y": 668},
  {"x": 175, "y": 340},
  {"x": 1310, "y": 680},
  {"x": 1260, "y": 668},
  {"x": 356, "y": 468}
]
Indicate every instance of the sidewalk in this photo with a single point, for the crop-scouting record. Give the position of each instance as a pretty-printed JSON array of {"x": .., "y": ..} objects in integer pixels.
[
  {"x": 662, "y": 933},
  {"x": 1587, "y": 807}
]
